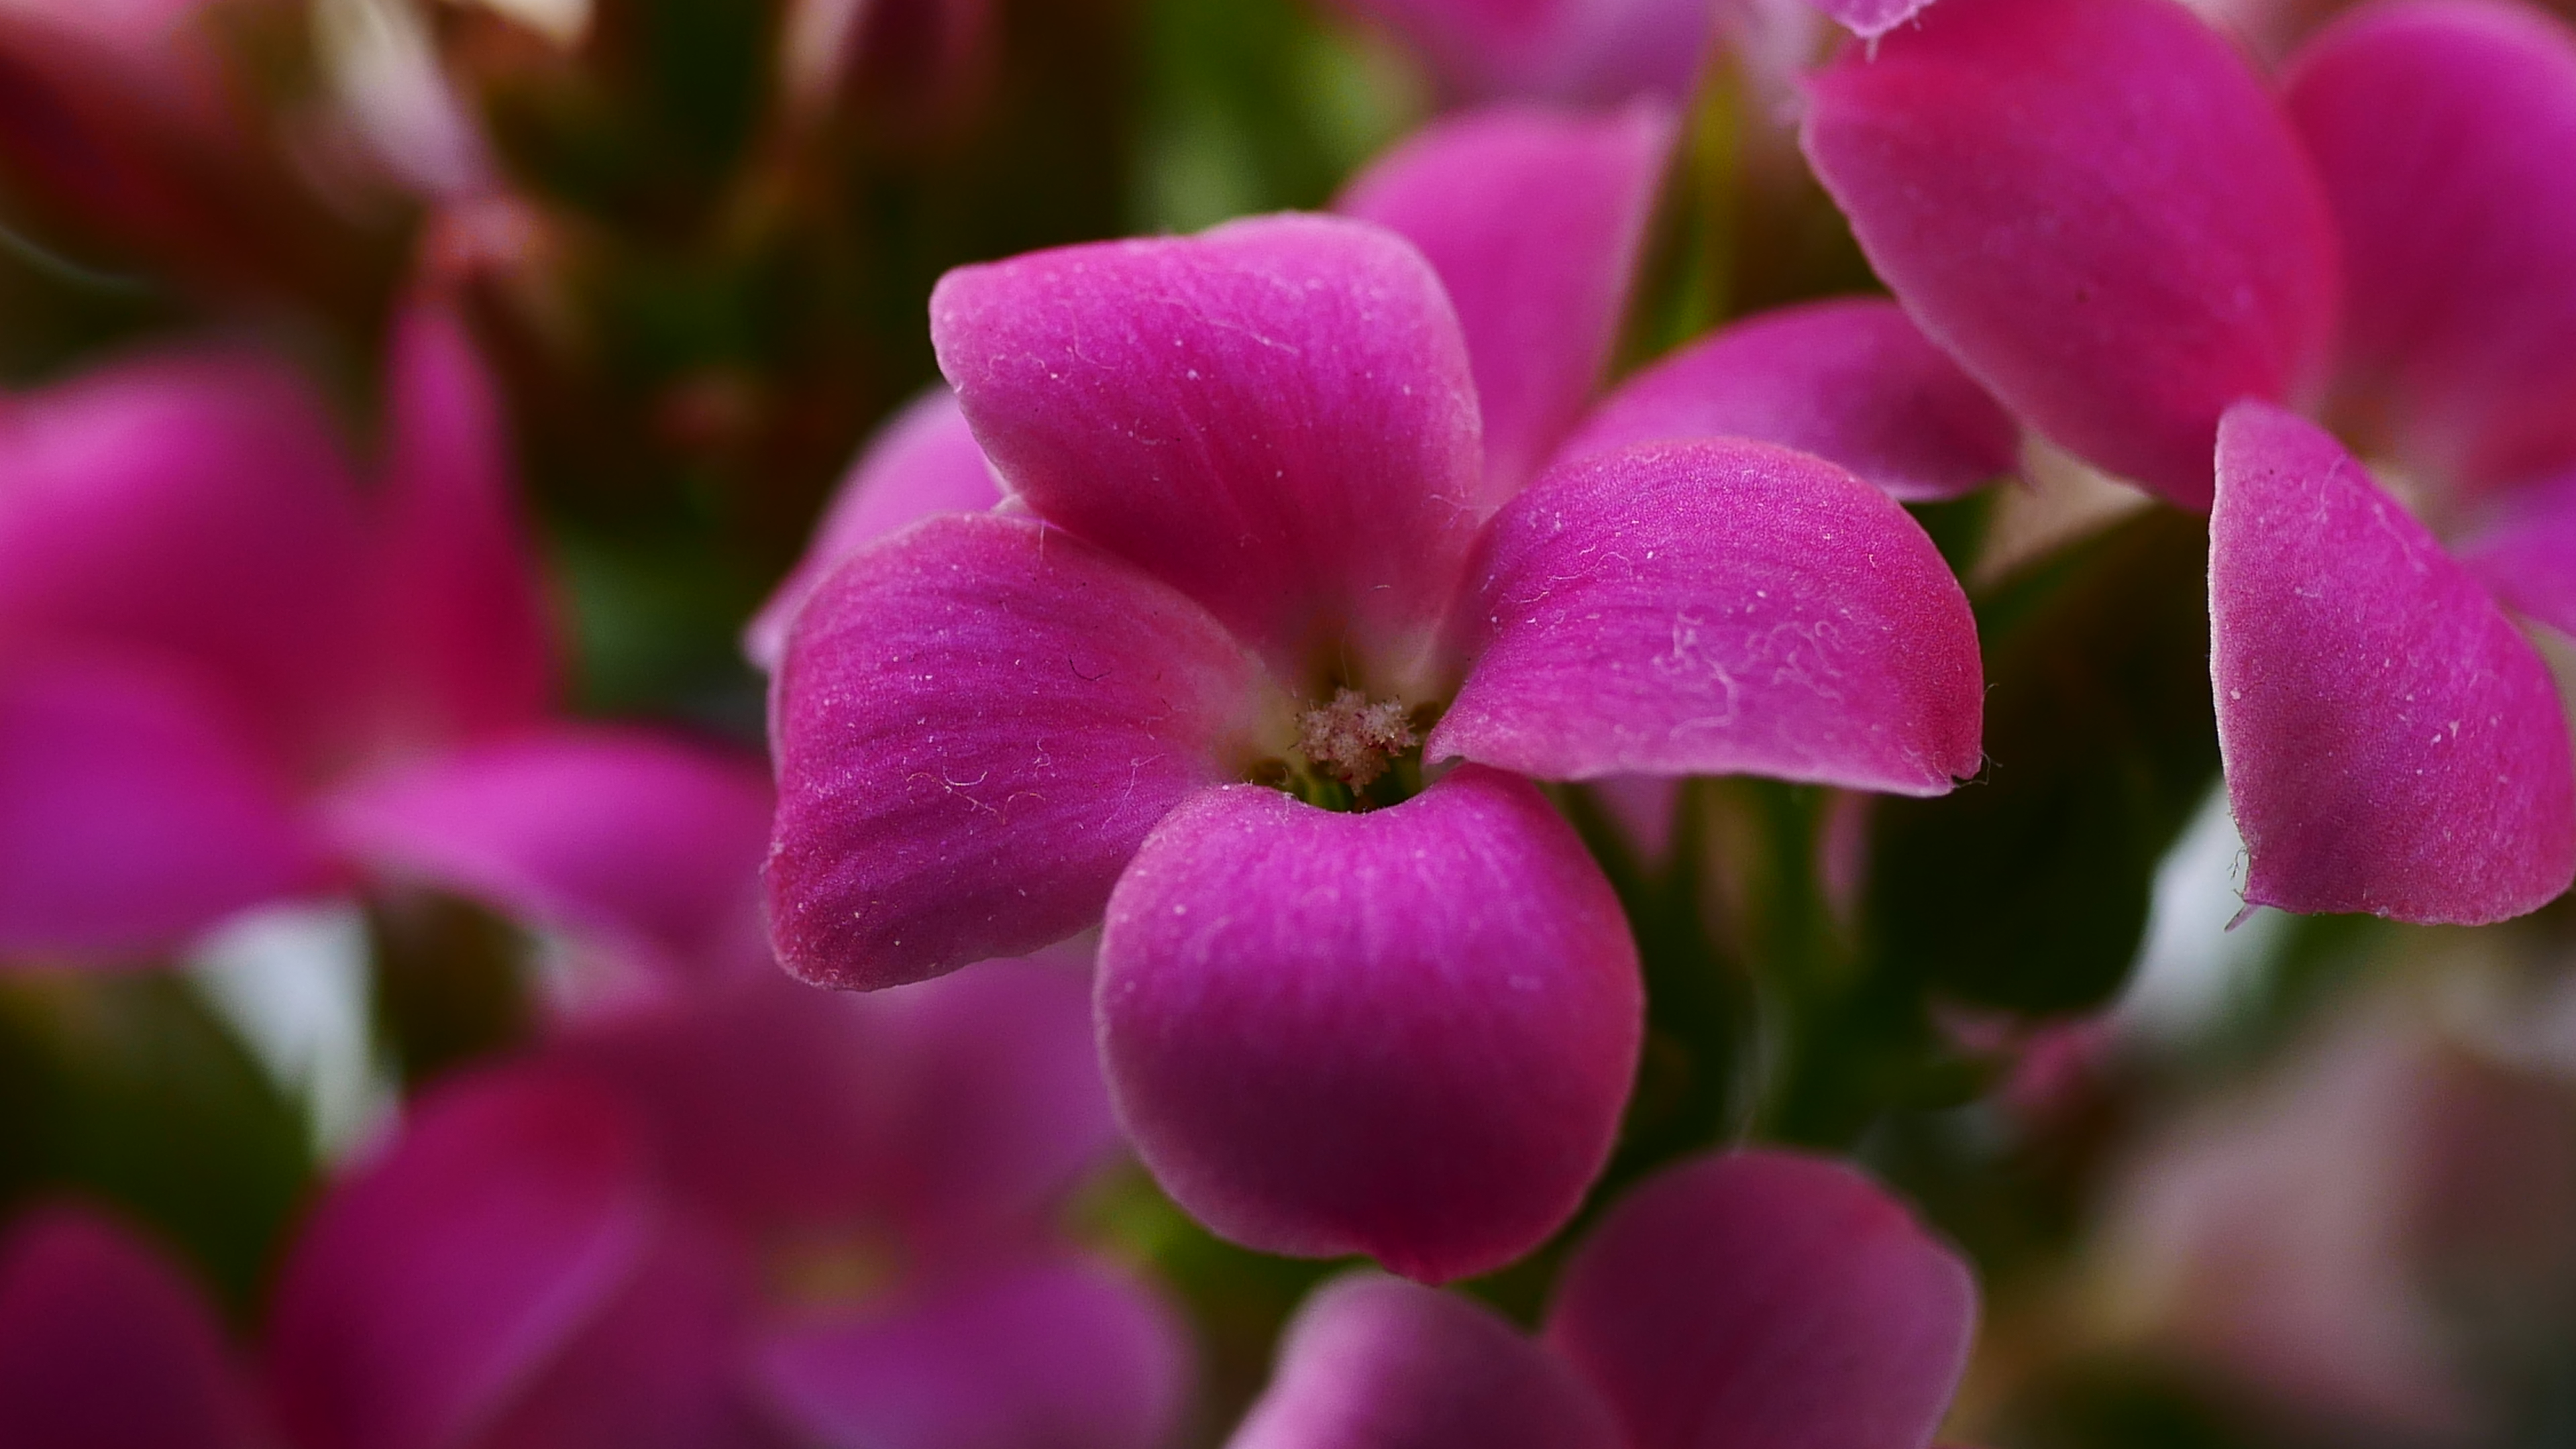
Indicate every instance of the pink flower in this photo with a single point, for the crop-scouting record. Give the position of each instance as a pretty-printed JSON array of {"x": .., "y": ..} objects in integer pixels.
[
  {"x": 1268, "y": 528},
  {"x": 754, "y": 1219},
  {"x": 1753, "y": 1298},
  {"x": 231, "y": 674},
  {"x": 2371, "y": 1235},
  {"x": 2107, "y": 217}
]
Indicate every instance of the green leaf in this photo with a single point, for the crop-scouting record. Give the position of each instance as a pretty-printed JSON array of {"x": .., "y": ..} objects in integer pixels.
[
  {"x": 127, "y": 1090},
  {"x": 2028, "y": 888}
]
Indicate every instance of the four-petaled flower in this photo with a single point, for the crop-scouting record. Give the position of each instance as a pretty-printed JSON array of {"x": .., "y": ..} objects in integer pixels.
[{"x": 1260, "y": 537}]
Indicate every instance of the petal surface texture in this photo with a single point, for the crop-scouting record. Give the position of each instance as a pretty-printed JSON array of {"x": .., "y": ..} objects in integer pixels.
[
  {"x": 468, "y": 629},
  {"x": 105, "y": 1346},
  {"x": 1062, "y": 1355},
  {"x": 1539, "y": 290},
  {"x": 2393, "y": 743},
  {"x": 1715, "y": 608},
  {"x": 924, "y": 461},
  {"x": 1854, "y": 382},
  {"x": 1276, "y": 418},
  {"x": 2445, "y": 133},
  {"x": 134, "y": 813},
  {"x": 442, "y": 1277},
  {"x": 976, "y": 725},
  {"x": 1378, "y": 1363},
  {"x": 1406, "y": 1033},
  {"x": 2097, "y": 208},
  {"x": 195, "y": 507},
  {"x": 1578, "y": 51},
  {"x": 1762, "y": 1300},
  {"x": 2528, "y": 556},
  {"x": 643, "y": 845}
]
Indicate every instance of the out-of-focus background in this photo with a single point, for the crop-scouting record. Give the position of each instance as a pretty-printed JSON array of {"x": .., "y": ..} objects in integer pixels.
[{"x": 2275, "y": 1182}]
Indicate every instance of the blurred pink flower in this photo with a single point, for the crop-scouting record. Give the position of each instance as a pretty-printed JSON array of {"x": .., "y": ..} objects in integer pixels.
[
  {"x": 2108, "y": 217},
  {"x": 1259, "y": 523},
  {"x": 232, "y": 673},
  {"x": 1753, "y": 1298},
  {"x": 2361, "y": 1237},
  {"x": 761, "y": 1217}
]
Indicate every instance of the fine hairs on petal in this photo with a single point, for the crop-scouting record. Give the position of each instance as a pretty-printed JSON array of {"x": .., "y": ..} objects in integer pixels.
[{"x": 1353, "y": 738}]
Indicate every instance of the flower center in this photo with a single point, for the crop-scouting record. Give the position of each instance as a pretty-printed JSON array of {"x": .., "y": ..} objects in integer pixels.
[
  {"x": 1353, "y": 738},
  {"x": 1353, "y": 753}
]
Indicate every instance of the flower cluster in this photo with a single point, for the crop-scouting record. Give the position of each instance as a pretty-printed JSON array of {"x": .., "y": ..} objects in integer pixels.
[{"x": 1553, "y": 645}]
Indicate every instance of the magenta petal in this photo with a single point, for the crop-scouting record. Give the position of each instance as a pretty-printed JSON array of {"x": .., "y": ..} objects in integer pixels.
[
  {"x": 470, "y": 641},
  {"x": 1761, "y": 1300},
  {"x": 1854, "y": 382},
  {"x": 2445, "y": 133},
  {"x": 1377, "y": 1363},
  {"x": 103, "y": 1345},
  {"x": 195, "y": 506},
  {"x": 2393, "y": 743},
  {"x": 439, "y": 1279},
  {"x": 1720, "y": 607},
  {"x": 975, "y": 726},
  {"x": 660, "y": 1366},
  {"x": 1406, "y": 1033},
  {"x": 1871, "y": 19},
  {"x": 994, "y": 1090},
  {"x": 1539, "y": 290},
  {"x": 957, "y": 1114},
  {"x": 1276, "y": 418},
  {"x": 2528, "y": 555},
  {"x": 133, "y": 813},
  {"x": 923, "y": 462},
  {"x": 2097, "y": 208},
  {"x": 644, "y": 845},
  {"x": 1580, "y": 51},
  {"x": 1066, "y": 1355}
]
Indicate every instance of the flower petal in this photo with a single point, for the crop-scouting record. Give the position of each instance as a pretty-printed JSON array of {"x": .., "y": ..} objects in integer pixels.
[
  {"x": 1378, "y": 1363},
  {"x": 924, "y": 461},
  {"x": 1585, "y": 52},
  {"x": 436, "y": 1280},
  {"x": 1852, "y": 381},
  {"x": 1066, "y": 1355},
  {"x": 133, "y": 813},
  {"x": 468, "y": 633},
  {"x": 1769, "y": 1301},
  {"x": 2445, "y": 133},
  {"x": 976, "y": 724},
  {"x": 195, "y": 506},
  {"x": 2528, "y": 554},
  {"x": 1276, "y": 418},
  {"x": 644, "y": 845},
  {"x": 2393, "y": 744},
  {"x": 1406, "y": 1033},
  {"x": 1539, "y": 292},
  {"x": 103, "y": 1345},
  {"x": 659, "y": 1366},
  {"x": 958, "y": 1114},
  {"x": 995, "y": 1094},
  {"x": 2097, "y": 208},
  {"x": 1714, "y": 608}
]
